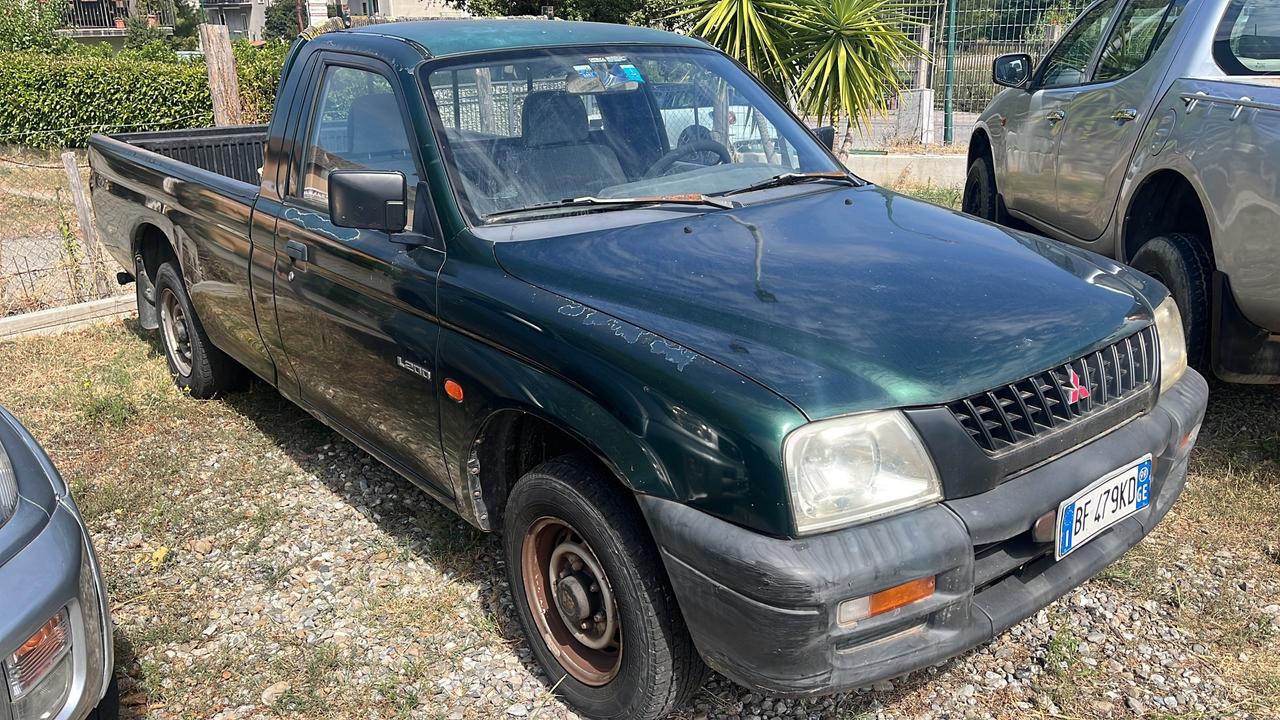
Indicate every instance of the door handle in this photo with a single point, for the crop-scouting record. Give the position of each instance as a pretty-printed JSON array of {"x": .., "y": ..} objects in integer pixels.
[
  {"x": 1125, "y": 115},
  {"x": 296, "y": 250},
  {"x": 1055, "y": 116}
]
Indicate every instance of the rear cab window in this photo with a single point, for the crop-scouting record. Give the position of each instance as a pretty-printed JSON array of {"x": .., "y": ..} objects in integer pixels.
[{"x": 1248, "y": 38}]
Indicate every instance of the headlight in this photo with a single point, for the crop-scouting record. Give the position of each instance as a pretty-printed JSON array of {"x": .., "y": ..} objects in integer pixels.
[
  {"x": 39, "y": 672},
  {"x": 8, "y": 488},
  {"x": 853, "y": 469},
  {"x": 1173, "y": 344}
]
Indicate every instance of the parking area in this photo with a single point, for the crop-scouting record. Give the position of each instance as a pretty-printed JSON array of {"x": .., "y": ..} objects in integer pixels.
[{"x": 261, "y": 566}]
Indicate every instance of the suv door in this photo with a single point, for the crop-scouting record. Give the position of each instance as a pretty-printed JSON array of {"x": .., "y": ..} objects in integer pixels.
[
  {"x": 357, "y": 307},
  {"x": 1035, "y": 122},
  {"x": 1106, "y": 117}
]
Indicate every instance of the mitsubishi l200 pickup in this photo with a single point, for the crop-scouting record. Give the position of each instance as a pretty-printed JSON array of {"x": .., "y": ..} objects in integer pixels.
[{"x": 745, "y": 412}]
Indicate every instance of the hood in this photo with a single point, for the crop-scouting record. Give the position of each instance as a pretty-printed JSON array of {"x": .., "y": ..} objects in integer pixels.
[{"x": 844, "y": 300}]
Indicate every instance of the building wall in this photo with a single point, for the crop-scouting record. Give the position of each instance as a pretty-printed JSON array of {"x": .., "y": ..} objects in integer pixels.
[{"x": 417, "y": 9}]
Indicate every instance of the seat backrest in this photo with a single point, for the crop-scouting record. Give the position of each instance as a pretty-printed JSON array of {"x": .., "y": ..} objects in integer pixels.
[
  {"x": 557, "y": 158},
  {"x": 375, "y": 125}
]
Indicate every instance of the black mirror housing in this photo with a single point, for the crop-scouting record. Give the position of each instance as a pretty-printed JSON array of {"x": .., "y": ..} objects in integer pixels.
[
  {"x": 1012, "y": 70},
  {"x": 826, "y": 135},
  {"x": 368, "y": 200}
]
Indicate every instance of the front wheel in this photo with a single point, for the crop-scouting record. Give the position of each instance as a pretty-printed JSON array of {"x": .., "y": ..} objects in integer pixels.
[
  {"x": 592, "y": 596},
  {"x": 980, "y": 196},
  {"x": 1182, "y": 262}
]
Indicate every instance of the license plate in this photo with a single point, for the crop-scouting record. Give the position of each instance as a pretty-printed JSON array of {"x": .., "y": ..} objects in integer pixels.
[{"x": 1104, "y": 503}]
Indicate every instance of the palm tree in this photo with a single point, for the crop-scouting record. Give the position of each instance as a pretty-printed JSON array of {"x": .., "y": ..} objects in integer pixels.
[{"x": 832, "y": 59}]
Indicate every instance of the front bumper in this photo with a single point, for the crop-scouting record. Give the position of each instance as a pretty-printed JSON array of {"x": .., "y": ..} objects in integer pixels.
[
  {"x": 47, "y": 563},
  {"x": 762, "y": 610}
]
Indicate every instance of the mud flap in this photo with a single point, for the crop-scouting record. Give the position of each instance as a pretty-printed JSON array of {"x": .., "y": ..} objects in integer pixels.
[
  {"x": 1242, "y": 352},
  {"x": 148, "y": 316}
]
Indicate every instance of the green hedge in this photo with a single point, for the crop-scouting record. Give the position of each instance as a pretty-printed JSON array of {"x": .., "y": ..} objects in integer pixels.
[{"x": 58, "y": 101}]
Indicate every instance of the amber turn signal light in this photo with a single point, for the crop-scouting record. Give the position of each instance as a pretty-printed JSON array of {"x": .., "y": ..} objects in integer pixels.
[
  {"x": 851, "y": 611},
  {"x": 453, "y": 390}
]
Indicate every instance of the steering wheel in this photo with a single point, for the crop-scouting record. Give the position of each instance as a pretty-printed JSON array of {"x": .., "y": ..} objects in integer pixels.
[{"x": 665, "y": 162}]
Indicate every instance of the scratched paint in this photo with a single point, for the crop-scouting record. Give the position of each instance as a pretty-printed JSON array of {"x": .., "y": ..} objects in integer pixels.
[{"x": 673, "y": 353}]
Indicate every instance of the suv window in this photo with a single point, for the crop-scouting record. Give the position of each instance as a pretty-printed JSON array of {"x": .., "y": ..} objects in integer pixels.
[
  {"x": 1068, "y": 64},
  {"x": 356, "y": 125},
  {"x": 1141, "y": 29},
  {"x": 1248, "y": 38}
]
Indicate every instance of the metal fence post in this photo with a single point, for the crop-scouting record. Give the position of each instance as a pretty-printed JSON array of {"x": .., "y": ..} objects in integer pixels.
[{"x": 948, "y": 123}]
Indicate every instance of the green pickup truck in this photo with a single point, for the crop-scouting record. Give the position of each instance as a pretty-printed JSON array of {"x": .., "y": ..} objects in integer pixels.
[{"x": 727, "y": 409}]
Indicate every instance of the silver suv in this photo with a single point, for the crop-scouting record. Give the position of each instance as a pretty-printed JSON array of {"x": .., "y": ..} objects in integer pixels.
[
  {"x": 55, "y": 632},
  {"x": 1151, "y": 134}
]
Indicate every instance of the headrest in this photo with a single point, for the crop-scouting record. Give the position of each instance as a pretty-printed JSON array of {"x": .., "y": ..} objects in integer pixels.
[
  {"x": 375, "y": 124},
  {"x": 553, "y": 116}
]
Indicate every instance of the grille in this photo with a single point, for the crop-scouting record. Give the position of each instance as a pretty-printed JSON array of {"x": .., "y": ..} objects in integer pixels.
[{"x": 1035, "y": 406}]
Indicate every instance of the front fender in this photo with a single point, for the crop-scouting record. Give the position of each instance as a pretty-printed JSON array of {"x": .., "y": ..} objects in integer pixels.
[{"x": 671, "y": 423}]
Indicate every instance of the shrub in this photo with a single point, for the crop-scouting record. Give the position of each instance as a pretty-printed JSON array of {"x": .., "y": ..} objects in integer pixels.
[
  {"x": 58, "y": 101},
  {"x": 53, "y": 101},
  {"x": 259, "y": 71}
]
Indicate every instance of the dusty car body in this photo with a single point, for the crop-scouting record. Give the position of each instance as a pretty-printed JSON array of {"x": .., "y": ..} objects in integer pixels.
[
  {"x": 56, "y": 657},
  {"x": 755, "y": 414},
  {"x": 1155, "y": 125}
]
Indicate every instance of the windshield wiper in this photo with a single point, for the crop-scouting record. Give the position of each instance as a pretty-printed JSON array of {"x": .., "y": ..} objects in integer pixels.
[
  {"x": 794, "y": 178},
  {"x": 622, "y": 202}
]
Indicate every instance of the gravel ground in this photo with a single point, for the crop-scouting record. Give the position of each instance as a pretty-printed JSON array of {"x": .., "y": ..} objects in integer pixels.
[{"x": 260, "y": 566}]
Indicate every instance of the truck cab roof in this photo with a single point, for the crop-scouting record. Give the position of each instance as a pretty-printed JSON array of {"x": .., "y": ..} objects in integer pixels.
[{"x": 443, "y": 38}]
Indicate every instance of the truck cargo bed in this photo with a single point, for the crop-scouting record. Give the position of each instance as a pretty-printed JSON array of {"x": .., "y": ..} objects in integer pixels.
[{"x": 235, "y": 152}]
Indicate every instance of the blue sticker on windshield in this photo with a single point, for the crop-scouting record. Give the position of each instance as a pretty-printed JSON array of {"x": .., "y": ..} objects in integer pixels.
[
  {"x": 585, "y": 71},
  {"x": 631, "y": 72}
]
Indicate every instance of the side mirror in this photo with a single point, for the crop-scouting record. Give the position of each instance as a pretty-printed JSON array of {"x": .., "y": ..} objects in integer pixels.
[
  {"x": 826, "y": 135},
  {"x": 368, "y": 200},
  {"x": 1013, "y": 70}
]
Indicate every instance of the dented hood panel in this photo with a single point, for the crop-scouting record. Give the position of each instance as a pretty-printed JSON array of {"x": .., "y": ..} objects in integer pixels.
[{"x": 844, "y": 300}]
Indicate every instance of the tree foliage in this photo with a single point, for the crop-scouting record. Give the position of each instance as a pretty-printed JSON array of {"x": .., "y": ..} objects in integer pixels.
[
  {"x": 30, "y": 25},
  {"x": 281, "y": 20},
  {"x": 633, "y": 12},
  {"x": 832, "y": 58}
]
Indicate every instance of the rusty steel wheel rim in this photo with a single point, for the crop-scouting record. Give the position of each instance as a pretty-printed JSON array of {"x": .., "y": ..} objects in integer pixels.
[
  {"x": 177, "y": 336},
  {"x": 572, "y": 601}
]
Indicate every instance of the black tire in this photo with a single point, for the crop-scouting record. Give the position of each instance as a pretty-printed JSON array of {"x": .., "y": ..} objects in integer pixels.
[
  {"x": 196, "y": 365},
  {"x": 1182, "y": 262},
  {"x": 109, "y": 707},
  {"x": 660, "y": 668},
  {"x": 981, "y": 199}
]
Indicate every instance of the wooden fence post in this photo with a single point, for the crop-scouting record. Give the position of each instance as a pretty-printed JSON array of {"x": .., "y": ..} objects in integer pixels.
[
  {"x": 224, "y": 86},
  {"x": 84, "y": 216}
]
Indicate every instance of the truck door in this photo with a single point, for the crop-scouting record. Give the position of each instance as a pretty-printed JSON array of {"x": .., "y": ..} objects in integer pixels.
[
  {"x": 1107, "y": 115},
  {"x": 357, "y": 308},
  {"x": 1035, "y": 129}
]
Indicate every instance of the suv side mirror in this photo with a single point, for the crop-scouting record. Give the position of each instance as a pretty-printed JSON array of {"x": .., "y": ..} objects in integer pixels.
[
  {"x": 826, "y": 135},
  {"x": 368, "y": 200},
  {"x": 1013, "y": 70}
]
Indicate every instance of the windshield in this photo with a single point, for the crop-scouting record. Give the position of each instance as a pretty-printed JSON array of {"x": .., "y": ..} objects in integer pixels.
[{"x": 543, "y": 125}]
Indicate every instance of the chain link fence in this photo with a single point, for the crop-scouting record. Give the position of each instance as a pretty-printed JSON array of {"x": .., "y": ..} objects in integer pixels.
[
  {"x": 984, "y": 30},
  {"x": 44, "y": 259}
]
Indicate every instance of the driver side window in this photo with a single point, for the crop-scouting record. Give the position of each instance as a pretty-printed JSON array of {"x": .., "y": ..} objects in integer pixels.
[{"x": 1068, "y": 64}]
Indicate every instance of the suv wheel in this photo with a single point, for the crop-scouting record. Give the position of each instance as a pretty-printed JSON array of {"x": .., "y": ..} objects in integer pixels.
[
  {"x": 980, "y": 196},
  {"x": 592, "y": 596},
  {"x": 196, "y": 365},
  {"x": 1182, "y": 262}
]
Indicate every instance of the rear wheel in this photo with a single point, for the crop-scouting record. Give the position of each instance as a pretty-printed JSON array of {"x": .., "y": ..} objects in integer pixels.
[
  {"x": 1182, "y": 262},
  {"x": 196, "y": 365},
  {"x": 592, "y": 596},
  {"x": 980, "y": 196}
]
